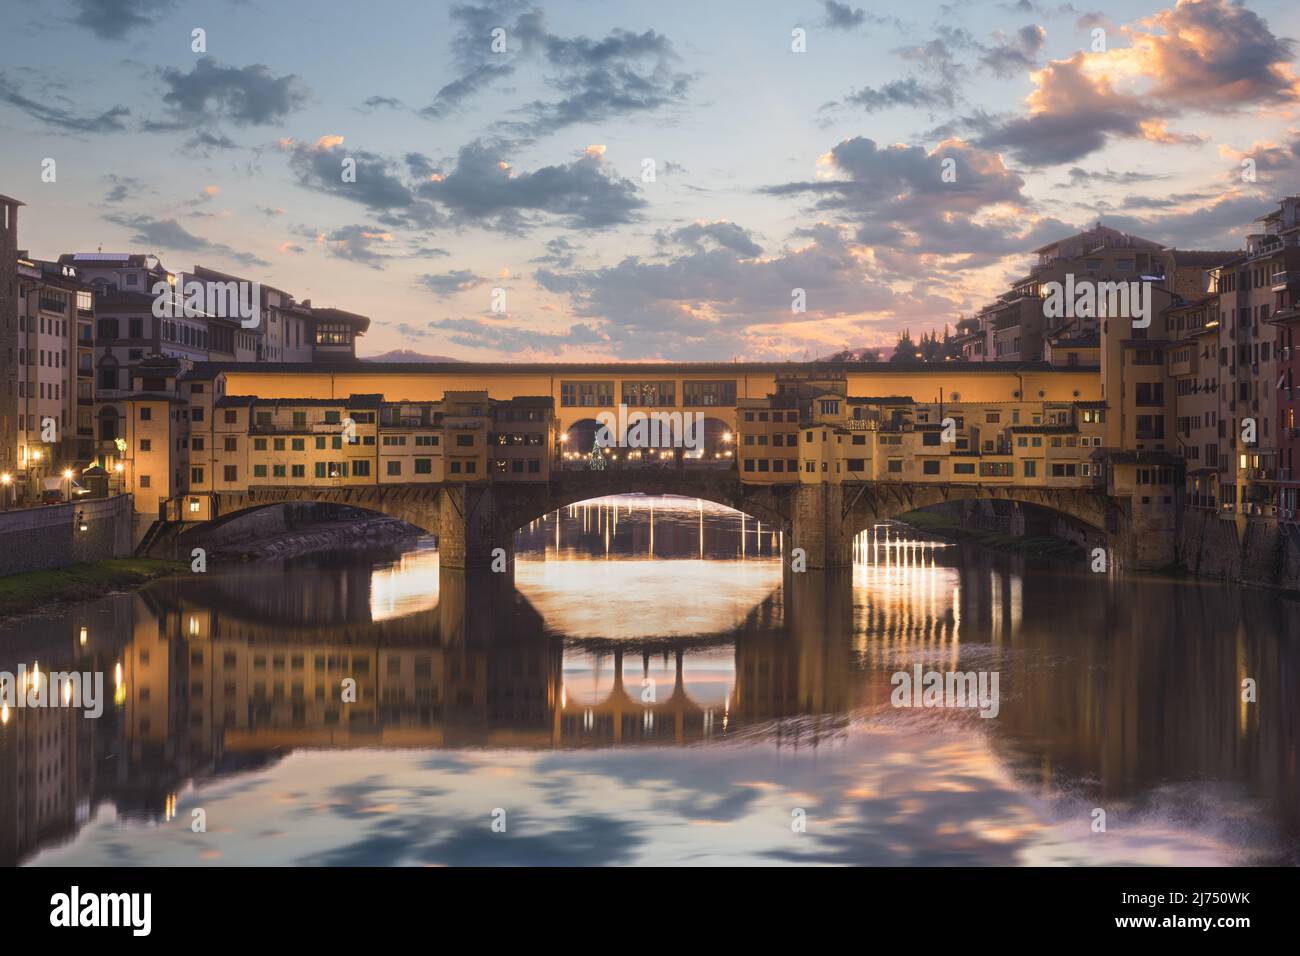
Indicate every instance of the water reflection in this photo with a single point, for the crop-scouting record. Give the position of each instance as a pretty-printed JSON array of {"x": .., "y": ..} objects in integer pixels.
[{"x": 625, "y": 707}]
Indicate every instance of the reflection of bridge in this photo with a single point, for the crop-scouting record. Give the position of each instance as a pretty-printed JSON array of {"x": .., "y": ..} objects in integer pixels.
[{"x": 471, "y": 521}]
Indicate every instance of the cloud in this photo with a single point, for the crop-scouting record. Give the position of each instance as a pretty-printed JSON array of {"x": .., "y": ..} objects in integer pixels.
[
  {"x": 114, "y": 19},
  {"x": 357, "y": 243},
  {"x": 483, "y": 189},
  {"x": 906, "y": 92},
  {"x": 898, "y": 193},
  {"x": 1016, "y": 54},
  {"x": 1212, "y": 54},
  {"x": 726, "y": 234},
  {"x": 169, "y": 234},
  {"x": 381, "y": 102},
  {"x": 204, "y": 142},
  {"x": 379, "y": 185},
  {"x": 246, "y": 96},
  {"x": 1201, "y": 55},
  {"x": 559, "y": 253},
  {"x": 620, "y": 74},
  {"x": 502, "y": 337},
  {"x": 714, "y": 302},
  {"x": 109, "y": 121},
  {"x": 446, "y": 284},
  {"x": 1072, "y": 113},
  {"x": 123, "y": 188}
]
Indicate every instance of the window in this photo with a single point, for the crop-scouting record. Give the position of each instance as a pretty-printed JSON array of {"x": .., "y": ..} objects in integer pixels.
[
  {"x": 394, "y": 469},
  {"x": 146, "y": 444},
  {"x": 299, "y": 444},
  {"x": 146, "y": 414},
  {"x": 696, "y": 394},
  {"x": 196, "y": 476},
  {"x": 586, "y": 394},
  {"x": 930, "y": 467},
  {"x": 231, "y": 473},
  {"x": 144, "y": 481},
  {"x": 1031, "y": 469},
  {"x": 424, "y": 466},
  {"x": 360, "y": 468},
  {"x": 277, "y": 471},
  {"x": 231, "y": 443},
  {"x": 895, "y": 466},
  {"x": 963, "y": 468},
  {"x": 259, "y": 444},
  {"x": 464, "y": 441},
  {"x": 650, "y": 394},
  {"x": 298, "y": 471},
  {"x": 259, "y": 471}
]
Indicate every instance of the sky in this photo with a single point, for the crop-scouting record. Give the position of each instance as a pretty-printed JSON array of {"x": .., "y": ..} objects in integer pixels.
[{"x": 600, "y": 179}]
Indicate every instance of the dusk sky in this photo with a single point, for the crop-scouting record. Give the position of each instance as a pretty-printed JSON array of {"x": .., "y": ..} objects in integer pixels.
[{"x": 524, "y": 170}]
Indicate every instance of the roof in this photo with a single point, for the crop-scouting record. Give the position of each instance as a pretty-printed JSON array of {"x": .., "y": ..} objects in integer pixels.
[
  {"x": 535, "y": 400},
  {"x": 1043, "y": 429},
  {"x": 124, "y": 302},
  {"x": 628, "y": 368},
  {"x": 152, "y": 397},
  {"x": 352, "y": 401},
  {"x": 1200, "y": 257},
  {"x": 11, "y": 201},
  {"x": 1145, "y": 458}
]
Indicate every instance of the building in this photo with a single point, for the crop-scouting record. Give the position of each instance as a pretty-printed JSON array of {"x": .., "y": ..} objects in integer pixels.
[
  {"x": 237, "y": 442},
  {"x": 9, "y": 345}
]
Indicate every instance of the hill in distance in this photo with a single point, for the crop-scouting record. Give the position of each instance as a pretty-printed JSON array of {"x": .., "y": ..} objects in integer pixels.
[{"x": 406, "y": 355}]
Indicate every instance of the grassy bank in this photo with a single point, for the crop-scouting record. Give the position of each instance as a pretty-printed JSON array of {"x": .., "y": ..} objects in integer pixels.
[
  {"x": 79, "y": 582},
  {"x": 1040, "y": 546}
]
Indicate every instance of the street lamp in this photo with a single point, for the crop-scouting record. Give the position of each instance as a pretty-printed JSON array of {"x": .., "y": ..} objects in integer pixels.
[
  {"x": 67, "y": 476},
  {"x": 7, "y": 481}
]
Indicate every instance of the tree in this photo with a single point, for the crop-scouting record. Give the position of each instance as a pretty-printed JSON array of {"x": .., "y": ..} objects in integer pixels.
[{"x": 905, "y": 350}]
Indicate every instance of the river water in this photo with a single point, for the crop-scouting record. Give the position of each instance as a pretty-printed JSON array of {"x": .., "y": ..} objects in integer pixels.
[{"x": 651, "y": 685}]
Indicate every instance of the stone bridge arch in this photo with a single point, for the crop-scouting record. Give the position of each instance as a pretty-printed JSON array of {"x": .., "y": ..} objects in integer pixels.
[
  {"x": 868, "y": 504},
  {"x": 418, "y": 505}
]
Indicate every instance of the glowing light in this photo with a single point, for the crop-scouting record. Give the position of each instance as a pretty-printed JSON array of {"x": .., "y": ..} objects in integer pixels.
[
  {"x": 67, "y": 473},
  {"x": 84, "y": 635}
]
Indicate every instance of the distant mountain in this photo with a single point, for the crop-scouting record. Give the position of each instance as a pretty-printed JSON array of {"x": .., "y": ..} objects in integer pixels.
[{"x": 406, "y": 355}]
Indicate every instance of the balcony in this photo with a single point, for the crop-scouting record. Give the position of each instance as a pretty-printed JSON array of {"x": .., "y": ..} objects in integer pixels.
[{"x": 1281, "y": 281}]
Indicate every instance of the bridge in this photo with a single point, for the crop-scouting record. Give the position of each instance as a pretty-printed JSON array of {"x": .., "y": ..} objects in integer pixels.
[{"x": 473, "y": 520}]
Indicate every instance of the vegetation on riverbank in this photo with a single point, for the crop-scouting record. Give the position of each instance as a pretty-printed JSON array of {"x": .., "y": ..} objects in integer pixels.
[
  {"x": 79, "y": 582},
  {"x": 949, "y": 528}
]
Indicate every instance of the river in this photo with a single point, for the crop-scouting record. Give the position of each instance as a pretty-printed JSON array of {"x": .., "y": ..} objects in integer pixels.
[{"x": 651, "y": 685}]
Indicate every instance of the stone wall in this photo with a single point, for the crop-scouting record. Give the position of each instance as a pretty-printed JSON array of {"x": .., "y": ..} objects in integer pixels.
[
  {"x": 37, "y": 539},
  {"x": 1249, "y": 550}
]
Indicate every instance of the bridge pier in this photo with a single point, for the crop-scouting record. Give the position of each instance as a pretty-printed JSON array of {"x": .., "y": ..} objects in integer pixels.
[
  {"x": 472, "y": 525},
  {"x": 819, "y": 525}
]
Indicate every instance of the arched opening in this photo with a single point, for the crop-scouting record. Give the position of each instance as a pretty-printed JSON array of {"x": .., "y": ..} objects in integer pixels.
[{"x": 637, "y": 566}]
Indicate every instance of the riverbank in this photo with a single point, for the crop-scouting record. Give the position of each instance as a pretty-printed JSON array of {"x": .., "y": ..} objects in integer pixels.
[
  {"x": 951, "y": 529},
  {"x": 32, "y": 590}
]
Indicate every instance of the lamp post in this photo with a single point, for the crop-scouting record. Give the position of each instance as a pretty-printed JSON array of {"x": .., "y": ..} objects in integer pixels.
[
  {"x": 67, "y": 477},
  {"x": 6, "y": 481}
]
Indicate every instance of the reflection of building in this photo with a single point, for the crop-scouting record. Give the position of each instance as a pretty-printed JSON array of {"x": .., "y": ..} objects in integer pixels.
[{"x": 38, "y": 778}]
